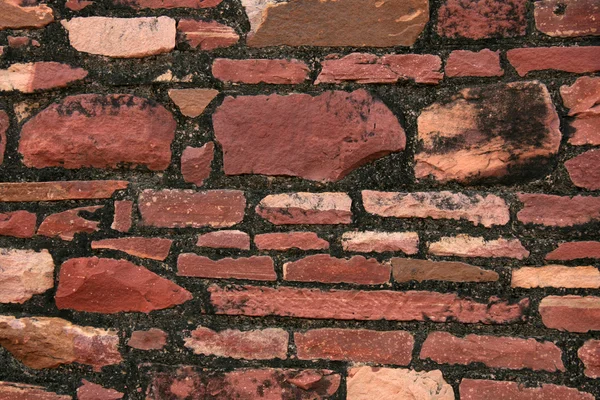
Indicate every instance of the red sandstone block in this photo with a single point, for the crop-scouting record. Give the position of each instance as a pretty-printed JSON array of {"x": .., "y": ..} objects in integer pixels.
[
  {"x": 470, "y": 63},
  {"x": 574, "y": 251},
  {"x": 584, "y": 170},
  {"x": 92, "y": 391},
  {"x": 253, "y": 71},
  {"x": 568, "y": 18},
  {"x": 67, "y": 223},
  {"x": 482, "y": 389},
  {"x": 206, "y": 35},
  {"x": 231, "y": 239},
  {"x": 122, "y": 218},
  {"x": 578, "y": 60},
  {"x": 255, "y": 267},
  {"x": 290, "y": 240},
  {"x": 63, "y": 190},
  {"x": 18, "y": 224},
  {"x": 571, "y": 313},
  {"x": 153, "y": 248},
  {"x": 551, "y": 210},
  {"x": 589, "y": 354},
  {"x": 306, "y": 208},
  {"x": 152, "y": 339},
  {"x": 196, "y": 163}
]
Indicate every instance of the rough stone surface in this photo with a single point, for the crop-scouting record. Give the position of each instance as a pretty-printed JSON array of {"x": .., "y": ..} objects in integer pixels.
[
  {"x": 320, "y": 138},
  {"x": 335, "y": 23},
  {"x": 24, "y": 273},
  {"x": 574, "y": 251},
  {"x": 206, "y": 35},
  {"x": 171, "y": 208},
  {"x": 77, "y": 5},
  {"x": 410, "y": 269},
  {"x": 551, "y": 210},
  {"x": 93, "y": 391},
  {"x": 367, "y": 383},
  {"x": 80, "y": 132},
  {"x": 19, "y": 224},
  {"x": 28, "y": 78},
  {"x": 231, "y": 239},
  {"x": 161, "y": 4},
  {"x": 556, "y": 276},
  {"x": 290, "y": 240},
  {"x": 259, "y": 344},
  {"x": 589, "y": 354},
  {"x": 584, "y": 170},
  {"x": 469, "y": 246},
  {"x": 196, "y": 163},
  {"x": 582, "y": 98},
  {"x": 252, "y": 71},
  {"x": 493, "y": 351},
  {"x": 67, "y": 223},
  {"x": 104, "y": 285},
  {"x": 152, "y": 339},
  {"x": 153, "y": 248},
  {"x": 15, "y": 14},
  {"x": 578, "y": 60},
  {"x": 568, "y": 18},
  {"x": 391, "y": 68},
  {"x": 482, "y": 389},
  {"x": 122, "y": 217},
  {"x": 571, "y": 313},
  {"x": 380, "y": 242},
  {"x": 20, "y": 391},
  {"x": 470, "y": 63},
  {"x": 55, "y": 191},
  {"x": 41, "y": 342},
  {"x": 327, "y": 269},
  {"x": 192, "y": 102},
  {"x": 361, "y": 305},
  {"x": 4, "y": 125},
  {"x": 122, "y": 37},
  {"x": 255, "y": 268},
  {"x": 356, "y": 345},
  {"x": 306, "y": 208},
  {"x": 495, "y": 131}
]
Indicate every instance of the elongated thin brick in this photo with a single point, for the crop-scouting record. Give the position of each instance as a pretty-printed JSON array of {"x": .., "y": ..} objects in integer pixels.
[
  {"x": 552, "y": 210},
  {"x": 153, "y": 248},
  {"x": 576, "y": 59},
  {"x": 379, "y": 242},
  {"x": 483, "y": 389},
  {"x": 571, "y": 313},
  {"x": 206, "y": 35},
  {"x": 409, "y": 269},
  {"x": 59, "y": 190},
  {"x": 256, "y": 267},
  {"x": 21, "y": 391},
  {"x": 574, "y": 251},
  {"x": 468, "y": 246},
  {"x": 252, "y": 71},
  {"x": 231, "y": 239},
  {"x": 290, "y": 240},
  {"x": 306, "y": 208},
  {"x": 122, "y": 218},
  {"x": 556, "y": 276},
  {"x": 27, "y": 78}
]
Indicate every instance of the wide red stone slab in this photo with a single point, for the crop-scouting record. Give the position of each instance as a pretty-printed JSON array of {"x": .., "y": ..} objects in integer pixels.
[
  {"x": 576, "y": 59},
  {"x": 482, "y": 389},
  {"x": 255, "y": 267},
  {"x": 30, "y": 77},
  {"x": 60, "y": 190},
  {"x": 253, "y": 71},
  {"x": 571, "y": 313},
  {"x": 562, "y": 211},
  {"x": 290, "y": 240},
  {"x": 306, "y": 208},
  {"x": 567, "y": 18},
  {"x": 380, "y": 242},
  {"x": 575, "y": 250},
  {"x": 228, "y": 239}
]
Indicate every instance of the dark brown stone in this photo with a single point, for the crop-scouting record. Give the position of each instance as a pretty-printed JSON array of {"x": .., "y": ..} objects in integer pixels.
[
  {"x": 67, "y": 223},
  {"x": 584, "y": 170},
  {"x": 483, "y": 389},
  {"x": 551, "y": 210},
  {"x": 255, "y": 267},
  {"x": 576, "y": 59},
  {"x": 19, "y": 224},
  {"x": 143, "y": 247},
  {"x": 410, "y": 269},
  {"x": 63, "y": 190},
  {"x": 568, "y": 18},
  {"x": 196, "y": 163},
  {"x": 152, "y": 339}
]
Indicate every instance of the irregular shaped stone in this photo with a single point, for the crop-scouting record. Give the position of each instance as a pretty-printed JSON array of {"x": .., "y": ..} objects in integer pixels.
[
  {"x": 589, "y": 354},
  {"x": 380, "y": 242},
  {"x": 568, "y": 18},
  {"x": 327, "y": 269},
  {"x": 108, "y": 286},
  {"x": 571, "y": 313},
  {"x": 584, "y": 170},
  {"x": 63, "y": 190},
  {"x": 390, "y": 68},
  {"x": 487, "y": 211},
  {"x": 206, "y": 35},
  {"x": 77, "y": 5},
  {"x": 67, "y": 223},
  {"x": 225, "y": 240},
  {"x": 551, "y": 210},
  {"x": 93, "y": 391},
  {"x": 575, "y": 250},
  {"x": 470, "y": 63},
  {"x": 290, "y": 240},
  {"x": 4, "y": 125},
  {"x": 256, "y": 267},
  {"x": 483, "y": 389},
  {"x": 192, "y": 102},
  {"x": 122, "y": 37},
  {"x": 41, "y": 342},
  {"x": 576, "y": 59},
  {"x": 21, "y": 391},
  {"x": 495, "y": 131},
  {"x": 556, "y": 276},
  {"x": 158, "y": 4},
  {"x": 17, "y": 42},
  {"x": 15, "y": 14},
  {"x": 19, "y": 224},
  {"x": 24, "y": 273},
  {"x": 259, "y": 344},
  {"x": 27, "y": 78},
  {"x": 80, "y": 132},
  {"x": 122, "y": 217},
  {"x": 172, "y": 208},
  {"x": 152, "y": 339},
  {"x": 252, "y": 71},
  {"x": 581, "y": 99},
  {"x": 493, "y": 351},
  {"x": 335, "y": 23},
  {"x": 410, "y": 269},
  {"x": 196, "y": 163},
  {"x": 355, "y": 345},
  {"x": 152, "y": 248},
  {"x": 306, "y": 208},
  {"x": 469, "y": 246},
  {"x": 366, "y": 383},
  {"x": 362, "y": 305},
  {"x": 271, "y": 135}
]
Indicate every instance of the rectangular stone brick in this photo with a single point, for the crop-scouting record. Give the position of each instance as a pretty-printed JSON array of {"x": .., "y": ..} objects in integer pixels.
[
  {"x": 580, "y": 59},
  {"x": 253, "y": 71},
  {"x": 255, "y": 267},
  {"x": 122, "y": 218},
  {"x": 290, "y": 240},
  {"x": 551, "y": 210},
  {"x": 468, "y": 246},
  {"x": 380, "y": 242},
  {"x": 483, "y": 389},
  {"x": 410, "y": 269},
  {"x": 327, "y": 269},
  {"x": 143, "y": 247},
  {"x": 568, "y": 18},
  {"x": 574, "y": 251},
  {"x": 306, "y": 208},
  {"x": 462, "y": 63},
  {"x": 59, "y": 190},
  {"x": 571, "y": 313},
  {"x": 556, "y": 276}
]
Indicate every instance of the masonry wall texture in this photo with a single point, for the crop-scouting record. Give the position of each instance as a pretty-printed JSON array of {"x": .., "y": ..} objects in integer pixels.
[{"x": 300, "y": 199}]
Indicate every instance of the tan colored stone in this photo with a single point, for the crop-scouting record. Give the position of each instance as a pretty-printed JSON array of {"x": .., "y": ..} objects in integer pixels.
[
  {"x": 28, "y": 78},
  {"x": 556, "y": 276},
  {"x": 24, "y": 273},
  {"x": 409, "y": 269},
  {"x": 59, "y": 190},
  {"x": 380, "y": 242},
  {"x": 469, "y": 246},
  {"x": 15, "y": 15},
  {"x": 306, "y": 208},
  {"x": 192, "y": 102}
]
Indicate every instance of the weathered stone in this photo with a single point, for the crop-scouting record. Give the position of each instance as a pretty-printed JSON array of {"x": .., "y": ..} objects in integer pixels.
[
  {"x": 577, "y": 59},
  {"x": 327, "y": 269},
  {"x": 574, "y": 251},
  {"x": 469, "y": 246},
  {"x": 568, "y": 18},
  {"x": 589, "y": 354},
  {"x": 259, "y": 344},
  {"x": 571, "y": 313},
  {"x": 482, "y": 389},
  {"x": 290, "y": 240},
  {"x": 271, "y": 135},
  {"x": 152, "y": 339},
  {"x": 122, "y": 37},
  {"x": 252, "y": 71},
  {"x": 192, "y": 102},
  {"x": 60, "y": 190},
  {"x": 367, "y": 383},
  {"x": 231, "y": 239},
  {"x": 196, "y": 163},
  {"x": 493, "y": 351},
  {"x": 584, "y": 170},
  {"x": 335, "y": 23},
  {"x": 41, "y": 342},
  {"x": 495, "y": 131},
  {"x": 380, "y": 242},
  {"x": 171, "y": 208},
  {"x": 470, "y": 63},
  {"x": 482, "y": 19},
  {"x": 19, "y": 224},
  {"x": 158, "y": 4},
  {"x": 581, "y": 99},
  {"x": 4, "y": 125},
  {"x": 306, "y": 208},
  {"x": 256, "y": 267},
  {"x": 104, "y": 285},
  {"x": 410, "y": 269},
  {"x": 24, "y": 273},
  {"x": 153, "y": 248},
  {"x": 362, "y": 305},
  {"x": 17, "y": 42},
  {"x": 551, "y": 210},
  {"x": 80, "y": 132},
  {"x": 28, "y": 78},
  {"x": 487, "y": 211},
  {"x": 93, "y": 391},
  {"x": 67, "y": 223},
  {"x": 122, "y": 217},
  {"x": 556, "y": 276},
  {"x": 391, "y": 68},
  {"x": 15, "y": 14},
  {"x": 21, "y": 391},
  {"x": 356, "y": 345},
  {"x": 77, "y": 5},
  {"x": 206, "y": 35}
]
